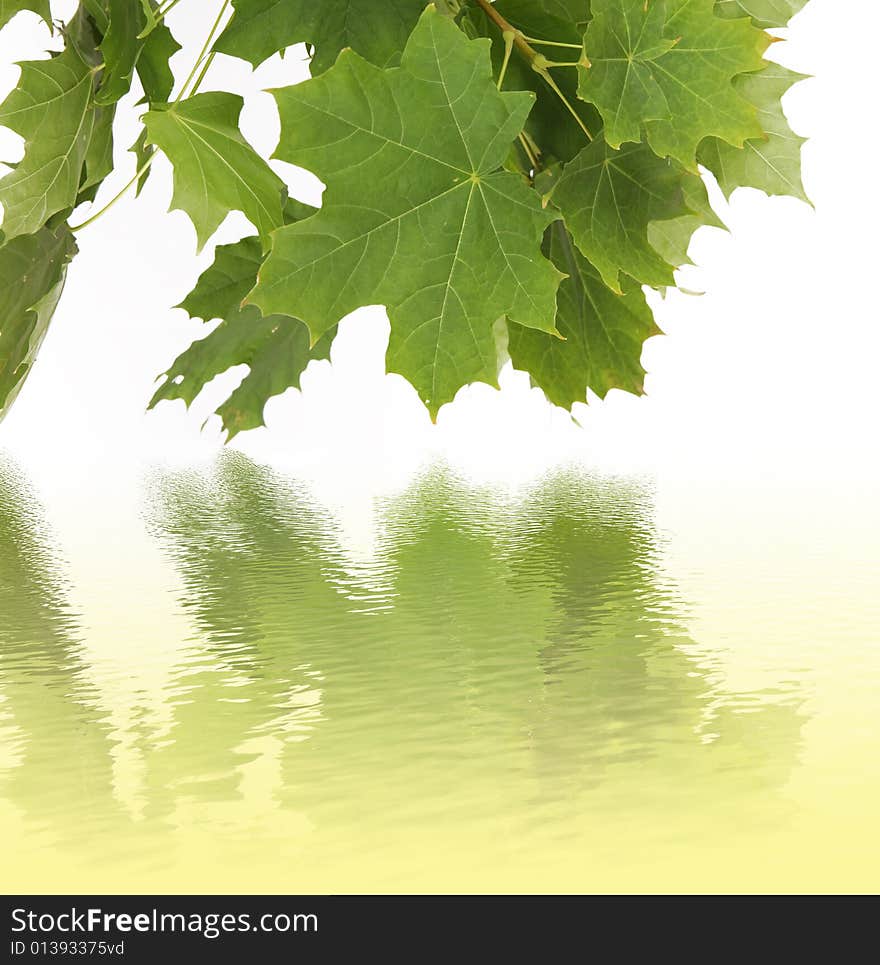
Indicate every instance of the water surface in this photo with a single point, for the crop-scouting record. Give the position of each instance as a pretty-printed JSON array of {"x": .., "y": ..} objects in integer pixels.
[{"x": 478, "y": 690}]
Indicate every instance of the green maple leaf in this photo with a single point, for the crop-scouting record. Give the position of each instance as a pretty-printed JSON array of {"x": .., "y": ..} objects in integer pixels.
[
  {"x": 771, "y": 163},
  {"x": 120, "y": 48},
  {"x": 467, "y": 204},
  {"x": 609, "y": 198},
  {"x": 603, "y": 331},
  {"x": 83, "y": 33},
  {"x": 215, "y": 169},
  {"x": 32, "y": 270},
  {"x": 98, "y": 161},
  {"x": 9, "y": 8},
  {"x": 97, "y": 11},
  {"x": 575, "y": 11},
  {"x": 417, "y": 214},
  {"x": 119, "y": 45},
  {"x": 152, "y": 64},
  {"x": 276, "y": 348},
  {"x": 665, "y": 68},
  {"x": 545, "y": 19},
  {"x": 126, "y": 45},
  {"x": 376, "y": 30},
  {"x": 141, "y": 151},
  {"x": 671, "y": 238},
  {"x": 528, "y": 15},
  {"x": 157, "y": 80},
  {"x": 52, "y": 95},
  {"x": 765, "y": 13}
]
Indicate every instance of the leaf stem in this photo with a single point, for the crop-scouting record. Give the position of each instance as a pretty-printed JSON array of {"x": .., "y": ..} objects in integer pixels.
[
  {"x": 160, "y": 14},
  {"x": 552, "y": 43},
  {"x": 551, "y": 82},
  {"x": 509, "y": 37},
  {"x": 208, "y": 61},
  {"x": 530, "y": 154},
  {"x": 536, "y": 150},
  {"x": 157, "y": 18},
  {"x": 504, "y": 25},
  {"x": 537, "y": 61},
  {"x": 141, "y": 171},
  {"x": 203, "y": 53},
  {"x": 542, "y": 61}
]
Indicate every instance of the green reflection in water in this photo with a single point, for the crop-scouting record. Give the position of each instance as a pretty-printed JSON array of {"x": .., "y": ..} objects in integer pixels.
[
  {"x": 506, "y": 678},
  {"x": 61, "y": 745}
]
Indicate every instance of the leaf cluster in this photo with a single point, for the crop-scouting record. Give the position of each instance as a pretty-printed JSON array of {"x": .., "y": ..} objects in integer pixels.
[{"x": 523, "y": 167}]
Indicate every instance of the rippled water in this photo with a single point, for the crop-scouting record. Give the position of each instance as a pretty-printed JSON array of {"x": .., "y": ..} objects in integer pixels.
[{"x": 566, "y": 687}]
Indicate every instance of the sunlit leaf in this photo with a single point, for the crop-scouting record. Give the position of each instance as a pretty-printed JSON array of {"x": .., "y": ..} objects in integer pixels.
[
  {"x": 664, "y": 69},
  {"x": 771, "y": 163},
  {"x": 765, "y": 13}
]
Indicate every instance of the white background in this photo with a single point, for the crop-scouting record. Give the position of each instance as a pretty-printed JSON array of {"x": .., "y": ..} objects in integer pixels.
[{"x": 771, "y": 372}]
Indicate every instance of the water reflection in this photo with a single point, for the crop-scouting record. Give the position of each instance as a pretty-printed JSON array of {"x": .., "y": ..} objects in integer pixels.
[
  {"x": 501, "y": 678},
  {"x": 52, "y": 728}
]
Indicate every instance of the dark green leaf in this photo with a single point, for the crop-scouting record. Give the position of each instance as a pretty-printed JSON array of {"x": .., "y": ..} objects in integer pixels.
[
  {"x": 120, "y": 48},
  {"x": 609, "y": 198},
  {"x": 83, "y": 33},
  {"x": 576, "y": 11},
  {"x": 604, "y": 333},
  {"x": 153, "y": 64},
  {"x": 275, "y": 348},
  {"x": 142, "y": 153},
  {"x": 99, "y": 156},
  {"x": 544, "y": 20},
  {"x": 97, "y": 11},
  {"x": 555, "y": 132},
  {"x": 376, "y": 30},
  {"x": 32, "y": 269}
]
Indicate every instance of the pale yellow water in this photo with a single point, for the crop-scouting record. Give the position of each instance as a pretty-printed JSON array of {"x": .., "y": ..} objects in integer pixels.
[{"x": 585, "y": 684}]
